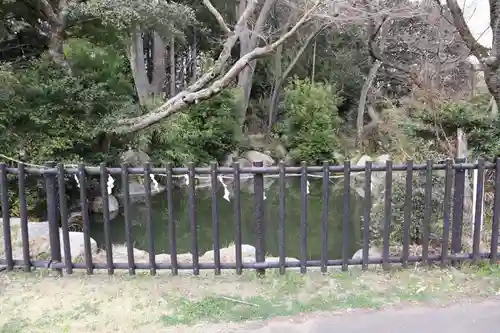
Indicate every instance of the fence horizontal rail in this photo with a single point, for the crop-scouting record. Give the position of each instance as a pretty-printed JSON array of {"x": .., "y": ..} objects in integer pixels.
[
  {"x": 263, "y": 265},
  {"x": 451, "y": 209},
  {"x": 251, "y": 170}
]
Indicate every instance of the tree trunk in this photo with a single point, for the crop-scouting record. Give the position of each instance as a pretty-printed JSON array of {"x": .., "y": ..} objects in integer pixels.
[
  {"x": 138, "y": 66},
  {"x": 173, "y": 75},
  {"x": 194, "y": 59},
  {"x": 58, "y": 21},
  {"x": 273, "y": 102},
  {"x": 363, "y": 98},
  {"x": 248, "y": 42},
  {"x": 159, "y": 74}
]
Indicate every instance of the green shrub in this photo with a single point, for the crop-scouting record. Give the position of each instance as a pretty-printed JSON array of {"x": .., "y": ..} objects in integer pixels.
[
  {"x": 203, "y": 133},
  {"x": 48, "y": 115},
  {"x": 51, "y": 115},
  {"x": 473, "y": 117},
  {"x": 312, "y": 122}
]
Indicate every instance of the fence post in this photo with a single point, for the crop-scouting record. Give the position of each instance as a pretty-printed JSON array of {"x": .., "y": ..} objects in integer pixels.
[
  {"x": 6, "y": 217},
  {"x": 50, "y": 189},
  {"x": 458, "y": 207},
  {"x": 258, "y": 192}
]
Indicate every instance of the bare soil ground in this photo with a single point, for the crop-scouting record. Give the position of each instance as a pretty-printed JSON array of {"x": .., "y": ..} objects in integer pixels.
[{"x": 39, "y": 302}]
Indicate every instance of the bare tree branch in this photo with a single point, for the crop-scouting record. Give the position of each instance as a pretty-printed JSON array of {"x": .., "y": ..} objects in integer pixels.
[
  {"x": 196, "y": 93},
  {"x": 460, "y": 24},
  {"x": 495, "y": 29},
  {"x": 49, "y": 11},
  {"x": 226, "y": 50},
  {"x": 217, "y": 16},
  {"x": 378, "y": 55},
  {"x": 362, "y": 99}
]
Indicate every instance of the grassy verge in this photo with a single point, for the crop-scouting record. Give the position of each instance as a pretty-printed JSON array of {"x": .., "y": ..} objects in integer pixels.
[{"x": 39, "y": 303}]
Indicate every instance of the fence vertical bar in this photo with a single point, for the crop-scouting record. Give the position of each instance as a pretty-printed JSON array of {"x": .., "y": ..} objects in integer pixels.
[
  {"x": 215, "y": 218},
  {"x": 496, "y": 215},
  {"x": 24, "y": 217},
  {"x": 346, "y": 218},
  {"x": 103, "y": 172},
  {"x": 5, "y": 217},
  {"x": 324, "y": 217},
  {"x": 63, "y": 210},
  {"x": 304, "y": 187},
  {"x": 126, "y": 215},
  {"x": 427, "y": 212},
  {"x": 367, "y": 203},
  {"x": 171, "y": 221},
  {"x": 260, "y": 232},
  {"x": 387, "y": 213},
  {"x": 282, "y": 212},
  {"x": 237, "y": 217},
  {"x": 458, "y": 207},
  {"x": 149, "y": 218},
  {"x": 82, "y": 177},
  {"x": 448, "y": 180},
  {"x": 478, "y": 216},
  {"x": 407, "y": 212},
  {"x": 192, "y": 218},
  {"x": 55, "y": 242}
]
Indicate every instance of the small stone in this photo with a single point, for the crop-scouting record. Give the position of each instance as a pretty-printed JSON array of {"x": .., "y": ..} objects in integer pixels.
[
  {"x": 373, "y": 253},
  {"x": 162, "y": 258},
  {"x": 256, "y": 156},
  {"x": 228, "y": 254}
]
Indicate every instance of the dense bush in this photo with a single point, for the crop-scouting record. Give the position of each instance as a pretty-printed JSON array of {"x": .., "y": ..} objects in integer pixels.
[
  {"x": 51, "y": 115},
  {"x": 203, "y": 133},
  {"x": 312, "y": 124},
  {"x": 473, "y": 117},
  {"x": 48, "y": 115}
]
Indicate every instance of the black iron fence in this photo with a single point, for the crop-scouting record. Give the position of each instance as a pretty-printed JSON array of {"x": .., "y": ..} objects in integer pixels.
[{"x": 451, "y": 247}]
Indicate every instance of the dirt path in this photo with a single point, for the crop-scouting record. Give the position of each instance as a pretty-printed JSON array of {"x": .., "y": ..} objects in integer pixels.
[{"x": 477, "y": 317}]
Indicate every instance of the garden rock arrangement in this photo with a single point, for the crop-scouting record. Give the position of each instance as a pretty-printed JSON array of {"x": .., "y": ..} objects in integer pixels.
[
  {"x": 39, "y": 241},
  {"x": 227, "y": 255}
]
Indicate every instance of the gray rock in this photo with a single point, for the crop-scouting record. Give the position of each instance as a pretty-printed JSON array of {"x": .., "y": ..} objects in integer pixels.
[
  {"x": 280, "y": 151},
  {"x": 135, "y": 158},
  {"x": 230, "y": 159},
  {"x": 137, "y": 191},
  {"x": 255, "y": 156},
  {"x": 39, "y": 241},
  {"x": 373, "y": 253},
  {"x": 97, "y": 205},
  {"x": 288, "y": 160},
  {"x": 277, "y": 259},
  {"x": 76, "y": 244},
  {"x": 228, "y": 254},
  {"x": 120, "y": 254}
]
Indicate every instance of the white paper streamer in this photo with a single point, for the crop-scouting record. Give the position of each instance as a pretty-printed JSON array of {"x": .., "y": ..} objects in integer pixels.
[
  {"x": 226, "y": 190},
  {"x": 307, "y": 187},
  {"x": 76, "y": 179},
  {"x": 110, "y": 183},
  {"x": 155, "y": 183},
  {"x": 186, "y": 179}
]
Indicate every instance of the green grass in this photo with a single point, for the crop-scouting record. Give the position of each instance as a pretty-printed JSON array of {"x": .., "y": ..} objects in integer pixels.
[
  {"x": 350, "y": 291},
  {"x": 40, "y": 303}
]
